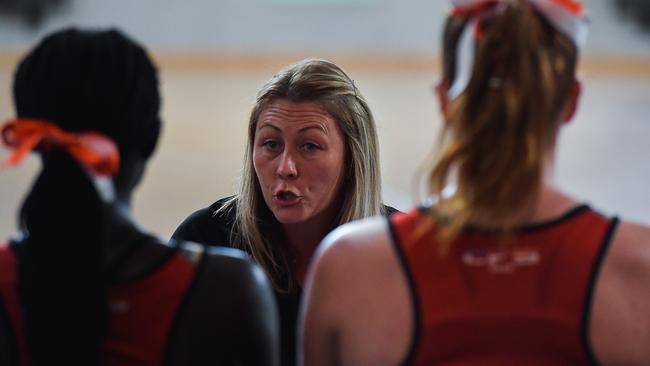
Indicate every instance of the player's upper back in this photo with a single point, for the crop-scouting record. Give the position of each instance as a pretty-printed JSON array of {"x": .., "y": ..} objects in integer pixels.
[{"x": 503, "y": 298}]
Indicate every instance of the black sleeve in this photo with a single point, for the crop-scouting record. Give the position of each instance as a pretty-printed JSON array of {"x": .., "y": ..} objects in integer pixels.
[
  {"x": 193, "y": 228},
  {"x": 388, "y": 210},
  {"x": 206, "y": 226}
]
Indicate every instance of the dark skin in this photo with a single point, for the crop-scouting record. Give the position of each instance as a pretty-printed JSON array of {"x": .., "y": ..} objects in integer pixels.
[
  {"x": 229, "y": 315},
  {"x": 240, "y": 331}
]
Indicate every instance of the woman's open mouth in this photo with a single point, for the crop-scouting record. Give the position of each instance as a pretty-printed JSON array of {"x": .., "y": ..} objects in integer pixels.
[{"x": 286, "y": 198}]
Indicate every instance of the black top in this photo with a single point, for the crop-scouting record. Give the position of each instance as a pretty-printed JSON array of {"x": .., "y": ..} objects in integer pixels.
[{"x": 206, "y": 227}]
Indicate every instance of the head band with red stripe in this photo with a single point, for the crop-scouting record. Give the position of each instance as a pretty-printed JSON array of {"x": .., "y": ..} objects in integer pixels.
[{"x": 567, "y": 16}]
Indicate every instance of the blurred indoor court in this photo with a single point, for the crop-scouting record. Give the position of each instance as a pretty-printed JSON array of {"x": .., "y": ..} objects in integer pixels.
[{"x": 213, "y": 56}]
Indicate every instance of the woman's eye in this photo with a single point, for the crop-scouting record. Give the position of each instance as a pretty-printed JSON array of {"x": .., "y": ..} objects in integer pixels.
[
  {"x": 310, "y": 146},
  {"x": 271, "y": 145}
]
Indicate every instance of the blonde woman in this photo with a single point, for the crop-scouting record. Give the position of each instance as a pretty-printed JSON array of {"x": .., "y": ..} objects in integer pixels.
[
  {"x": 311, "y": 164},
  {"x": 506, "y": 269}
]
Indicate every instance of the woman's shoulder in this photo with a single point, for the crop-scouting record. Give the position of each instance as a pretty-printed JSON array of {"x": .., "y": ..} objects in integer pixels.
[
  {"x": 230, "y": 271},
  {"x": 216, "y": 263},
  {"x": 217, "y": 259},
  {"x": 224, "y": 209},
  {"x": 229, "y": 291},
  {"x": 339, "y": 287},
  {"x": 211, "y": 225},
  {"x": 354, "y": 240},
  {"x": 388, "y": 210},
  {"x": 621, "y": 299},
  {"x": 630, "y": 250},
  {"x": 630, "y": 247}
]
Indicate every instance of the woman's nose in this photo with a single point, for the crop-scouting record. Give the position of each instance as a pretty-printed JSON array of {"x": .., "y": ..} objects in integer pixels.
[{"x": 287, "y": 168}]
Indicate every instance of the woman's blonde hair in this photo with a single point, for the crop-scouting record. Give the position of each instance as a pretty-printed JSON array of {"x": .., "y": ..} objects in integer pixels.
[
  {"x": 324, "y": 83},
  {"x": 498, "y": 132}
]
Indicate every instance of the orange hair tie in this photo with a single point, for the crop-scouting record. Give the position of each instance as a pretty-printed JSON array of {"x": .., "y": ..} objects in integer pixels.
[{"x": 95, "y": 151}]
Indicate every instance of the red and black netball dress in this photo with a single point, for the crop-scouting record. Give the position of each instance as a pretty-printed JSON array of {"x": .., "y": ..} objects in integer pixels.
[
  {"x": 522, "y": 299},
  {"x": 142, "y": 310}
]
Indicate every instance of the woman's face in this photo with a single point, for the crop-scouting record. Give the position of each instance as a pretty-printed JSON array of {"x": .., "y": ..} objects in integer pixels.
[{"x": 298, "y": 155}]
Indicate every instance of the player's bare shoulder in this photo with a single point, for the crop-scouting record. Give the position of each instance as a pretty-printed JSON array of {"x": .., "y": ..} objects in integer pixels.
[
  {"x": 619, "y": 320},
  {"x": 631, "y": 248},
  {"x": 357, "y": 236}
]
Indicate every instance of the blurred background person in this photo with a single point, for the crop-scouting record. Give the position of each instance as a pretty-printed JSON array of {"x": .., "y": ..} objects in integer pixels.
[
  {"x": 504, "y": 268},
  {"x": 311, "y": 165},
  {"x": 82, "y": 284}
]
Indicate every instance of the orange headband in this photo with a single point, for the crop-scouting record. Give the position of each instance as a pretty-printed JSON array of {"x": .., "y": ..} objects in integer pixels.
[{"x": 95, "y": 151}]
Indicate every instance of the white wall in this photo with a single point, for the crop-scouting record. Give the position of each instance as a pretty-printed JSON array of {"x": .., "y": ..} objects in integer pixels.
[{"x": 260, "y": 26}]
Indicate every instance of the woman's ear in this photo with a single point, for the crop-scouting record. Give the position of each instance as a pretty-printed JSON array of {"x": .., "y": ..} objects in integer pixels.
[
  {"x": 441, "y": 90},
  {"x": 572, "y": 103}
]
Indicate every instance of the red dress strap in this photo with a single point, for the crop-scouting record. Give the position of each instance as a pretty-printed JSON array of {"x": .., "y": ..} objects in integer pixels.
[{"x": 9, "y": 295}]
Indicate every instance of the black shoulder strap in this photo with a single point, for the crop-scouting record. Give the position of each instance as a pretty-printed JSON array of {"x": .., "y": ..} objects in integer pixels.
[
  {"x": 415, "y": 302},
  {"x": 591, "y": 286}
]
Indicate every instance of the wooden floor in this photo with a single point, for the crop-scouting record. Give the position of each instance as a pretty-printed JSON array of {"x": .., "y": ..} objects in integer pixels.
[{"x": 603, "y": 156}]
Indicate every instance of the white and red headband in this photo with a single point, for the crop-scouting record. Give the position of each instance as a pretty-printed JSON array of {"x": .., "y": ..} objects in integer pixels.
[{"x": 567, "y": 16}]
